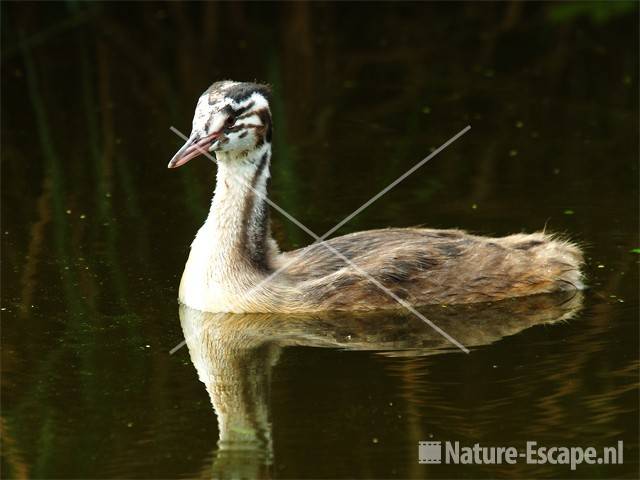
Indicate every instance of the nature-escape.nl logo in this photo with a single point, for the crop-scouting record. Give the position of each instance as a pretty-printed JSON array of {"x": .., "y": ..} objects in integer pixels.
[{"x": 431, "y": 452}]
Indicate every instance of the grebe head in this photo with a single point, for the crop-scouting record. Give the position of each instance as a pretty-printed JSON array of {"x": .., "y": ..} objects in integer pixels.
[{"x": 230, "y": 117}]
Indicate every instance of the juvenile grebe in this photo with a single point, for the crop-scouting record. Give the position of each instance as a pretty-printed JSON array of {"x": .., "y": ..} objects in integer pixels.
[{"x": 233, "y": 257}]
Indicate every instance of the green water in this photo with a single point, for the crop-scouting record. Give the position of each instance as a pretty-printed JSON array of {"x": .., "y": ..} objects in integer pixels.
[{"x": 95, "y": 232}]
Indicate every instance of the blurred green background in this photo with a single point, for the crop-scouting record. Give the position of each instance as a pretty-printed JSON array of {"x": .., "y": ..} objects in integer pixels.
[{"x": 95, "y": 230}]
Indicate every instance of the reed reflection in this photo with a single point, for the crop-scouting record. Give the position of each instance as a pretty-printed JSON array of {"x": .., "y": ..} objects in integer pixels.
[{"x": 234, "y": 355}]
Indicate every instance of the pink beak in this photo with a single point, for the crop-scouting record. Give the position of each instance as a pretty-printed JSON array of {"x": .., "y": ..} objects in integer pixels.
[{"x": 193, "y": 148}]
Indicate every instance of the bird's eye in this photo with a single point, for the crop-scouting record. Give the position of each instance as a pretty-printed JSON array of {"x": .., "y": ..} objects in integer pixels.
[{"x": 230, "y": 121}]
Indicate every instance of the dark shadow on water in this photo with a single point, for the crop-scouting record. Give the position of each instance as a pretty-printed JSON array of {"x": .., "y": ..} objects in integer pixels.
[{"x": 235, "y": 354}]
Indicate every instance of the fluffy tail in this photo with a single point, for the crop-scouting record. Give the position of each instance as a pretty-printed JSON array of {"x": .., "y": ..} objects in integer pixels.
[{"x": 557, "y": 261}]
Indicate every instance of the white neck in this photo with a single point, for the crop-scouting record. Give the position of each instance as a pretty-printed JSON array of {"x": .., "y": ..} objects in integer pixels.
[
  {"x": 233, "y": 248},
  {"x": 238, "y": 221}
]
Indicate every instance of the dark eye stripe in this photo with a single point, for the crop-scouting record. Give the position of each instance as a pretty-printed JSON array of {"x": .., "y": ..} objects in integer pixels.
[
  {"x": 242, "y": 127},
  {"x": 242, "y": 110}
]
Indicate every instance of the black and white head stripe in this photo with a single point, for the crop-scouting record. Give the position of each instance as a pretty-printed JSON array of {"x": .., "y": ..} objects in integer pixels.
[
  {"x": 234, "y": 106},
  {"x": 236, "y": 97}
]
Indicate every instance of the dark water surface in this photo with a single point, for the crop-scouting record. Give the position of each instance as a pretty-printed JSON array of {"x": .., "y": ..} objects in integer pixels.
[{"x": 95, "y": 232}]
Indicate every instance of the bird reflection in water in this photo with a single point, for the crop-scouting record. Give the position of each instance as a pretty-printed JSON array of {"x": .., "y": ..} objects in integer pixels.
[{"x": 234, "y": 355}]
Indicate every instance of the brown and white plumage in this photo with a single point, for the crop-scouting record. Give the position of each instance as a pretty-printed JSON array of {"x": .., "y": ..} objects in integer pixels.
[
  {"x": 235, "y": 265},
  {"x": 425, "y": 266}
]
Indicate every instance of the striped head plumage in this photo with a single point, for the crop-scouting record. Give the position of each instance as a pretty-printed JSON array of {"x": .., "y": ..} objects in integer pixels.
[{"x": 230, "y": 117}]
